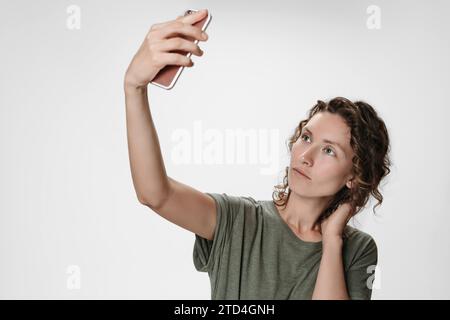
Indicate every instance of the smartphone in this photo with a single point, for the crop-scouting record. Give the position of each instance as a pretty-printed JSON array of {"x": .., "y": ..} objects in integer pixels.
[{"x": 168, "y": 76}]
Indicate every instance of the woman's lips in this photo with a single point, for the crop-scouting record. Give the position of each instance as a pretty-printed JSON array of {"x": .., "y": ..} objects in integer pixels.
[{"x": 301, "y": 174}]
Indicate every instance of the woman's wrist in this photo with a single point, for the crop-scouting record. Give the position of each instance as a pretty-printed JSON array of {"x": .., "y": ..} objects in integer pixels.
[
  {"x": 132, "y": 88},
  {"x": 131, "y": 85},
  {"x": 332, "y": 241}
]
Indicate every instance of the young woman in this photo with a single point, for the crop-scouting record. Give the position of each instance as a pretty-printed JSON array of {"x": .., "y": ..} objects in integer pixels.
[{"x": 297, "y": 245}]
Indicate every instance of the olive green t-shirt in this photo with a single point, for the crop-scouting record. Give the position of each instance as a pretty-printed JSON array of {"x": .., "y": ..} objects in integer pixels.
[{"x": 255, "y": 255}]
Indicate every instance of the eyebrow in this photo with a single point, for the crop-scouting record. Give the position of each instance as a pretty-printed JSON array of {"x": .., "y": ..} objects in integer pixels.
[{"x": 327, "y": 141}]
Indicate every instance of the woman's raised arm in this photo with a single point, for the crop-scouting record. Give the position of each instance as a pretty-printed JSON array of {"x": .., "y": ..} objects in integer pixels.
[{"x": 176, "y": 202}]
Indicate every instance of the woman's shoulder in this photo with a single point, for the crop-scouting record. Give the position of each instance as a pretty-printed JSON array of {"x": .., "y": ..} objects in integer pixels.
[
  {"x": 357, "y": 235},
  {"x": 359, "y": 243},
  {"x": 246, "y": 199},
  {"x": 239, "y": 203}
]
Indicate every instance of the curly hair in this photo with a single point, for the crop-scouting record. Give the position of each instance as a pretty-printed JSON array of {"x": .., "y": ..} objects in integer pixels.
[{"x": 370, "y": 143}]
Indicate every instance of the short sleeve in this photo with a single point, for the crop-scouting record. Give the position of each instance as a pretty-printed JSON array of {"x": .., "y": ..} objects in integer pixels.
[
  {"x": 361, "y": 273},
  {"x": 207, "y": 253}
]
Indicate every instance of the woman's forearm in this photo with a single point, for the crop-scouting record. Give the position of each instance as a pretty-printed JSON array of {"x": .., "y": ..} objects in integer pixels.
[
  {"x": 147, "y": 166},
  {"x": 330, "y": 283},
  {"x": 157, "y": 50}
]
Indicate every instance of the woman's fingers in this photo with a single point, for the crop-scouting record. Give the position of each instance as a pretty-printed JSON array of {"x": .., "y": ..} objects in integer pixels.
[
  {"x": 195, "y": 17},
  {"x": 167, "y": 58},
  {"x": 178, "y": 44},
  {"x": 160, "y": 25},
  {"x": 189, "y": 19},
  {"x": 154, "y": 52},
  {"x": 180, "y": 28}
]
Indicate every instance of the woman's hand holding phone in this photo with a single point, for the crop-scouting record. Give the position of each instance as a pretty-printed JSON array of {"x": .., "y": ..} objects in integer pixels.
[{"x": 154, "y": 52}]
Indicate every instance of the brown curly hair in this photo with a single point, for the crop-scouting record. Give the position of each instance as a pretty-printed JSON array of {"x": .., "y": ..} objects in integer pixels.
[{"x": 370, "y": 143}]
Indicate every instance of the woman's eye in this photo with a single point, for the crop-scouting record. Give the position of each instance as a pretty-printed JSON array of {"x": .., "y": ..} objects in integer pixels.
[
  {"x": 304, "y": 135},
  {"x": 332, "y": 152}
]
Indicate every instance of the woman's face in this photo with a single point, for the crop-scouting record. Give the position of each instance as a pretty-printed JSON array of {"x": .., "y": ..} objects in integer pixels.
[{"x": 327, "y": 165}]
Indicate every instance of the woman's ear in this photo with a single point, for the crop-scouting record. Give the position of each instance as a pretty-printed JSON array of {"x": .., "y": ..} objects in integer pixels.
[{"x": 349, "y": 183}]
